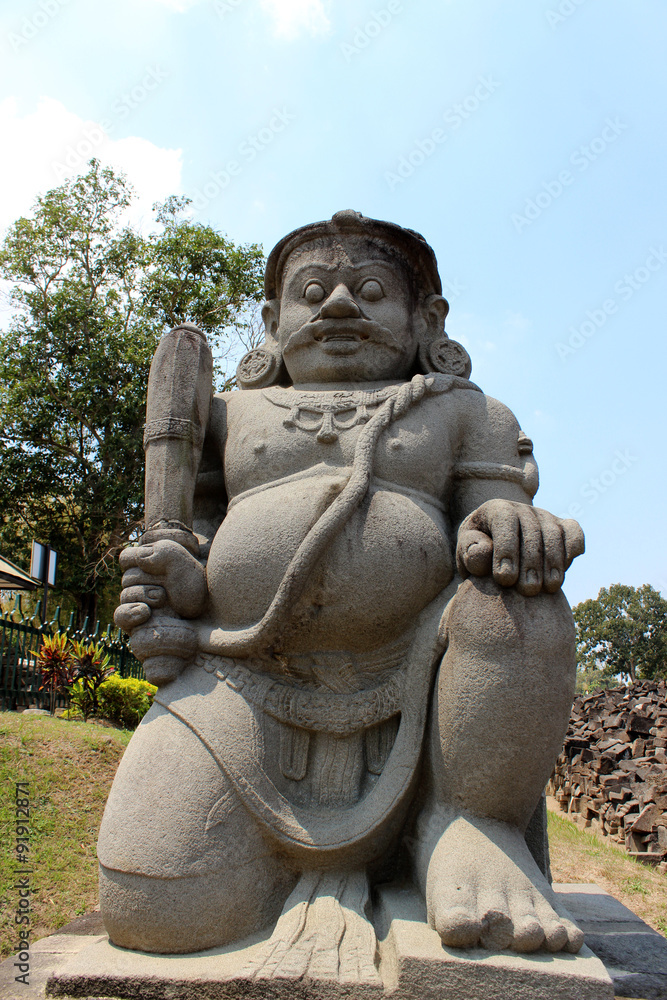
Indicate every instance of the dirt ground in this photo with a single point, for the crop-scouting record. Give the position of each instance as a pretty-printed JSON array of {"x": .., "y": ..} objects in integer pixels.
[{"x": 580, "y": 856}]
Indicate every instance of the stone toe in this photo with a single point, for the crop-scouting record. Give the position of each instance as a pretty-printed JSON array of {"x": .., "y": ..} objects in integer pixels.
[
  {"x": 497, "y": 931},
  {"x": 575, "y": 937},
  {"x": 528, "y": 934},
  {"x": 458, "y": 927},
  {"x": 497, "y": 927},
  {"x": 555, "y": 934}
]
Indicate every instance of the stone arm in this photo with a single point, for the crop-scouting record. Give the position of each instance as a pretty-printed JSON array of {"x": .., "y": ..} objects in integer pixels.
[
  {"x": 164, "y": 584},
  {"x": 499, "y": 532}
]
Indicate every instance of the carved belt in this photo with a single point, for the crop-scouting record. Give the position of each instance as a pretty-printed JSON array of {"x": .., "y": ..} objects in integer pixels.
[
  {"x": 337, "y": 713},
  {"x": 302, "y": 711}
]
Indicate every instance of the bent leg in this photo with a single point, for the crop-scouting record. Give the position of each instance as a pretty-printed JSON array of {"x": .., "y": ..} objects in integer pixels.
[
  {"x": 183, "y": 866},
  {"x": 501, "y": 710}
]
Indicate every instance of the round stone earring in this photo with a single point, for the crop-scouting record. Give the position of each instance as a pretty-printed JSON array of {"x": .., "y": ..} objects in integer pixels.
[
  {"x": 447, "y": 357},
  {"x": 258, "y": 369}
]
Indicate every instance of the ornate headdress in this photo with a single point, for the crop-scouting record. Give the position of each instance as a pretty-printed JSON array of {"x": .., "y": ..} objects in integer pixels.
[
  {"x": 262, "y": 366},
  {"x": 412, "y": 246}
]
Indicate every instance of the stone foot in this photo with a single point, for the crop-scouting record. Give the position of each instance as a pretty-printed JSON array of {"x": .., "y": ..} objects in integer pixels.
[
  {"x": 482, "y": 887},
  {"x": 323, "y": 933}
]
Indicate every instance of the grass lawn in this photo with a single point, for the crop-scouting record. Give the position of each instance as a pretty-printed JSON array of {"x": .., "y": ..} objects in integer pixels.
[{"x": 70, "y": 767}]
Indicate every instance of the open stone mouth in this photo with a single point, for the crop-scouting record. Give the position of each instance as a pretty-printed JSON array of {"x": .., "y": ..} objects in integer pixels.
[{"x": 342, "y": 334}]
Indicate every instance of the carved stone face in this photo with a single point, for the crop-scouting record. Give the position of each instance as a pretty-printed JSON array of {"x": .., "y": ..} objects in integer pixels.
[{"x": 346, "y": 314}]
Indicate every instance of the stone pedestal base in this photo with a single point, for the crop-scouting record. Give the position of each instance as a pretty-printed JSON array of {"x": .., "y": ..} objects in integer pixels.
[{"x": 412, "y": 965}]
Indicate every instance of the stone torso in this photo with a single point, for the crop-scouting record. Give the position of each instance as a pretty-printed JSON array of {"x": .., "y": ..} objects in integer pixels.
[{"x": 388, "y": 562}]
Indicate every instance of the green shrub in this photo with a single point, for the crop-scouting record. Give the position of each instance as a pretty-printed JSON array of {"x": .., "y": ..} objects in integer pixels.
[
  {"x": 80, "y": 704},
  {"x": 56, "y": 666},
  {"x": 125, "y": 700},
  {"x": 92, "y": 666}
]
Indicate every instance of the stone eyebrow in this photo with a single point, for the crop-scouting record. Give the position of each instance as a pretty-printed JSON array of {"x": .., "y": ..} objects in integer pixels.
[{"x": 330, "y": 268}]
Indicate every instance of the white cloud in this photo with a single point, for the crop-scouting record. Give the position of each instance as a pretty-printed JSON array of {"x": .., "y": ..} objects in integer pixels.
[
  {"x": 51, "y": 143},
  {"x": 180, "y": 6},
  {"x": 291, "y": 17}
]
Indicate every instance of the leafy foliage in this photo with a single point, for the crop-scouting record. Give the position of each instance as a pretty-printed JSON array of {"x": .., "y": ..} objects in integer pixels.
[
  {"x": 623, "y": 632},
  {"x": 56, "y": 665},
  {"x": 125, "y": 700},
  {"x": 91, "y": 297},
  {"x": 73, "y": 667},
  {"x": 92, "y": 667}
]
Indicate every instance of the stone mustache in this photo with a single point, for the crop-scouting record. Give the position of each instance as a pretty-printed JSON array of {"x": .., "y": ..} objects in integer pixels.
[{"x": 355, "y": 618}]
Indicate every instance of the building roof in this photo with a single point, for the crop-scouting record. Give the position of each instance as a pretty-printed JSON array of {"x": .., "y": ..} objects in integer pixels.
[{"x": 13, "y": 578}]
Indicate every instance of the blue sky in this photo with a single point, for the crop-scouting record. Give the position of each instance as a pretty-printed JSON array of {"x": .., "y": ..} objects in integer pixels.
[{"x": 526, "y": 141}]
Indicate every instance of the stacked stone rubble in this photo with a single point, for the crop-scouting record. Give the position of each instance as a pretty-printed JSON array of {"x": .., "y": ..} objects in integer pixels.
[{"x": 612, "y": 772}]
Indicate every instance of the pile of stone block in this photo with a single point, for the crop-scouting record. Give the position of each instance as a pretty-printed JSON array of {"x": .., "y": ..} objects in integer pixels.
[{"x": 612, "y": 772}]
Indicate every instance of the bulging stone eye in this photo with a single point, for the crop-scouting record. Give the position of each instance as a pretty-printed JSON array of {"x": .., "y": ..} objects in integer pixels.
[
  {"x": 314, "y": 292},
  {"x": 371, "y": 290}
]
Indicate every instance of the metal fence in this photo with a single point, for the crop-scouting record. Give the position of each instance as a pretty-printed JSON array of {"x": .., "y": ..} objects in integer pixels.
[{"x": 21, "y": 636}]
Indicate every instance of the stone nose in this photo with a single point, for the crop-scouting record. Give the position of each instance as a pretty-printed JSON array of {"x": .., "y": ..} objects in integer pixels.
[{"x": 340, "y": 304}]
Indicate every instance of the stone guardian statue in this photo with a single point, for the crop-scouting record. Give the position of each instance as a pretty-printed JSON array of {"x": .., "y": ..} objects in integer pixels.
[{"x": 354, "y": 615}]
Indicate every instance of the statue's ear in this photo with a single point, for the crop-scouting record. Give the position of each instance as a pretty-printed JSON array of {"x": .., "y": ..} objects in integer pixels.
[
  {"x": 271, "y": 318},
  {"x": 263, "y": 365},
  {"x": 434, "y": 311},
  {"x": 437, "y": 353}
]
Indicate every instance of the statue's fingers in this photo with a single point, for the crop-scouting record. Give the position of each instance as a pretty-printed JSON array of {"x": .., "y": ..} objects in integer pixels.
[
  {"x": 152, "y": 595},
  {"x": 531, "y": 551},
  {"x": 504, "y": 525},
  {"x": 136, "y": 577},
  {"x": 132, "y": 554},
  {"x": 554, "y": 550},
  {"x": 474, "y": 553},
  {"x": 130, "y": 616},
  {"x": 574, "y": 540},
  {"x": 162, "y": 555}
]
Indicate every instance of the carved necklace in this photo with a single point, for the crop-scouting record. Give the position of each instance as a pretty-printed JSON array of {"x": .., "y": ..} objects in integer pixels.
[{"x": 321, "y": 412}]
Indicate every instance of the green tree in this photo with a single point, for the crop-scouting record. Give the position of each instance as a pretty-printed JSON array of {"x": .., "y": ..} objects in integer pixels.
[
  {"x": 623, "y": 632},
  {"x": 91, "y": 296}
]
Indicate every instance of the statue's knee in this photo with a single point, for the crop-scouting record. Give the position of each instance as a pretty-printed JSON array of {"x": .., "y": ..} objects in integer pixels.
[
  {"x": 486, "y": 618},
  {"x": 172, "y": 915},
  {"x": 170, "y": 807}
]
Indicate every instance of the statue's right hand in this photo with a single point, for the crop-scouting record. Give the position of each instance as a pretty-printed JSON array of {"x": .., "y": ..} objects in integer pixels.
[
  {"x": 163, "y": 584},
  {"x": 130, "y": 616},
  {"x": 156, "y": 575}
]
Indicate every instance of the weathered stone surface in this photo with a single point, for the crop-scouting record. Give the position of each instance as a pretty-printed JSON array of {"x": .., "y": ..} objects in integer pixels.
[
  {"x": 355, "y": 616},
  {"x": 411, "y": 963},
  {"x": 632, "y": 952}
]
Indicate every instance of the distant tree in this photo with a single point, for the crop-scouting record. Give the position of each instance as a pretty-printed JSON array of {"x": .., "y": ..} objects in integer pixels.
[
  {"x": 623, "y": 632},
  {"x": 91, "y": 297}
]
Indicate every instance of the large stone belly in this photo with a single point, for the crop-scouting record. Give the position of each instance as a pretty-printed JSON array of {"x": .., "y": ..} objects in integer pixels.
[{"x": 388, "y": 561}]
